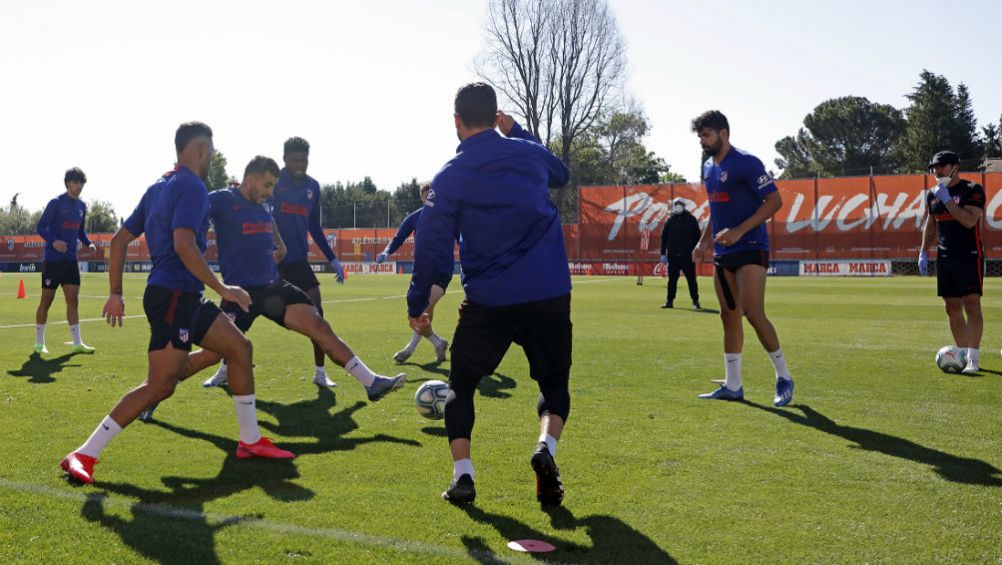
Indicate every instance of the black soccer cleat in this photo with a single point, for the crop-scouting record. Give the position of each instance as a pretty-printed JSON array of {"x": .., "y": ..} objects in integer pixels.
[
  {"x": 461, "y": 490},
  {"x": 668, "y": 304},
  {"x": 146, "y": 416},
  {"x": 549, "y": 488}
]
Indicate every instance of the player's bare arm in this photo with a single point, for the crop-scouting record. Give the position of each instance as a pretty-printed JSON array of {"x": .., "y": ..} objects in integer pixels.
[
  {"x": 770, "y": 205},
  {"x": 114, "y": 308}
]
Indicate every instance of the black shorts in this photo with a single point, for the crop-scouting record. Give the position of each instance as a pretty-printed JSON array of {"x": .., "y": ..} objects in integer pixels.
[
  {"x": 443, "y": 280},
  {"x": 55, "y": 273},
  {"x": 541, "y": 328},
  {"x": 300, "y": 274},
  {"x": 960, "y": 277},
  {"x": 269, "y": 301},
  {"x": 178, "y": 317},
  {"x": 733, "y": 261}
]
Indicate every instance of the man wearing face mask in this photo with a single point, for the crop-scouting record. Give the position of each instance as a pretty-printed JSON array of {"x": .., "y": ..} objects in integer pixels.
[
  {"x": 955, "y": 209},
  {"x": 678, "y": 238}
]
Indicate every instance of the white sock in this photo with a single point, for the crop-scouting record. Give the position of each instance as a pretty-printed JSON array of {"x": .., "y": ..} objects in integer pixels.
[
  {"x": 972, "y": 356},
  {"x": 105, "y": 432},
  {"x": 39, "y": 334},
  {"x": 779, "y": 362},
  {"x": 415, "y": 340},
  {"x": 75, "y": 333},
  {"x": 319, "y": 370},
  {"x": 551, "y": 443},
  {"x": 434, "y": 339},
  {"x": 462, "y": 467},
  {"x": 732, "y": 370},
  {"x": 247, "y": 418},
  {"x": 356, "y": 368}
]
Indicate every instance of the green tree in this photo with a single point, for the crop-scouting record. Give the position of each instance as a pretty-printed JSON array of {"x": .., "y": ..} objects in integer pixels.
[
  {"x": 843, "y": 136},
  {"x": 218, "y": 177},
  {"x": 991, "y": 142},
  {"x": 101, "y": 217},
  {"x": 18, "y": 220},
  {"x": 938, "y": 119}
]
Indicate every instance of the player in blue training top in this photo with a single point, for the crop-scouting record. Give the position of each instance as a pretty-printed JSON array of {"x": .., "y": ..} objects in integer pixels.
[
  {"x": 61, "y": 226},
  {"x": 249, "y": 248},
  {"x": 742, "y": 198},
  {"x": 495, "y": 194},
  {"x": 407, "y": 227},
  {"x": 174, "y": 215},
  {"x": 296, "y": 209}
]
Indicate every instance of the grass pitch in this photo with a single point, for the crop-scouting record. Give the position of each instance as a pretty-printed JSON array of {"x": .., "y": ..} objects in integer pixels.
[{"x": 880, "y": 458}]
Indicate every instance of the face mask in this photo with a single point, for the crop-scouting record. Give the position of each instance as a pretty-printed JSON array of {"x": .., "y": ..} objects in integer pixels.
[
  {"x": 677, "y": 209},
  {"x": 944, "y": 180}
]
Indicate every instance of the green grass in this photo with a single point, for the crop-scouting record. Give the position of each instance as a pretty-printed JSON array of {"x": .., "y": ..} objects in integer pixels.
[{"x": 881, "y": 458}]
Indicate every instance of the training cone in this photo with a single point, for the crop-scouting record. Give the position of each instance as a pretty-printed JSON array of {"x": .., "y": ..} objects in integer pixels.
[{"x": 20, "y": 289}]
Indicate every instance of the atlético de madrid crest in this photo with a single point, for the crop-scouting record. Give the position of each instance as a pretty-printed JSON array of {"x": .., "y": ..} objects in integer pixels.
[
  {"x": 309, "y": 193},
  {"x": 723, "y": 176}
]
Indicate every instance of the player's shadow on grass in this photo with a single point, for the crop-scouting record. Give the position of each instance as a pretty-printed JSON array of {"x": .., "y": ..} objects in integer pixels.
[
  {"x": 40, "y": 370},
  {"x": 613, "y": 541},
  {"x": 430, "y": 367},
  {"x": 494, "y": 386},
  {"x": 170, "y": 526},
  {"x": 950, "y": 467}
]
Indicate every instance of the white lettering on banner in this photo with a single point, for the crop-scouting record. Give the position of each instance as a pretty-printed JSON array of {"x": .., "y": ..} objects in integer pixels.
[
  {"x": 842, "y": 268},
  {"x": 915, "y": 210},
  {"x": 993, "y": 207},
  {"x": 627, "y": 208},
  {"x": 847, "y": 209},
  {"x": 653, "y": 216},
  {"x": 822, "y": 221}
]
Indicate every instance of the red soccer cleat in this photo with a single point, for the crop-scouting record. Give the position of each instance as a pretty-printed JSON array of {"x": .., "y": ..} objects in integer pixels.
[
  {"x": 262, "y": 448},
  {"x": 79, "y": 466}
]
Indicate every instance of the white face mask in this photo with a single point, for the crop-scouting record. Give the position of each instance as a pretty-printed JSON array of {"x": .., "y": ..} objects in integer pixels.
[
  {"x": 944, "y": 180},
  {"x": 678, "y": 209}
]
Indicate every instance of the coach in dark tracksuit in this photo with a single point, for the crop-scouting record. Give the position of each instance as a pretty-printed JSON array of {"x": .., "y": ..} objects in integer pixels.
[
  {"x": 495, "y": 194},
  {"x": 678, "y": 238}
]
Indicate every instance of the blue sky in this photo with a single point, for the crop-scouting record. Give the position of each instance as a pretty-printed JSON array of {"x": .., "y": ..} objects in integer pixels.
[{"x": 370, "y": 84}]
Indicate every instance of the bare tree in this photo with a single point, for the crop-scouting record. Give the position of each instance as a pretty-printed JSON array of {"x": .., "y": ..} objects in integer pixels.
[{"x": 562, "y": 63}]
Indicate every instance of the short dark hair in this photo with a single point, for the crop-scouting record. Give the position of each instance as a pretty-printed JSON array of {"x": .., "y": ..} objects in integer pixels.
[
  {"x": 712, "y": 119},
  {"x": 294, "y": 144},
  {"x": 77, "y": 174},
  {"x": 476, "y": 105},
  {"x": 188, "y": 131},
  {"x": 260, "y": 165}
]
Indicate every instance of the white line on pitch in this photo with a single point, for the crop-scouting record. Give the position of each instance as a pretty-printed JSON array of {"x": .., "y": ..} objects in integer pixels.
[
  {"x": 173, "y": 512},
  {"x": 64, "y": 322}
]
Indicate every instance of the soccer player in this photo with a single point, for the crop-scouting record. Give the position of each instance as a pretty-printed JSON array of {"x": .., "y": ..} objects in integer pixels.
[
  {"x": 955, "y": 209},
  {"x": 174, "y": 215},
  {"x": 247, "y": 240},
  {"x": 678, "y": 238},
  {"x": 296, "y": 209},
  {"x": 494, "y": 193},
  {"x": 61, "y": 226},
  {"x": 437, "y": 289},
  {"x": 742, "y": 197}
]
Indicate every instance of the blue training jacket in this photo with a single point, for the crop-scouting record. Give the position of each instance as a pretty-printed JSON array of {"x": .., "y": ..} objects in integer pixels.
[{"x": 494, "y": 194}]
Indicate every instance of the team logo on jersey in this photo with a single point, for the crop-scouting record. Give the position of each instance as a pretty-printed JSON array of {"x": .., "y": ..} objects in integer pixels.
[
  {"x": 723, "y": 176},
  {"x": 10, "y": 245},
  {"x": 182, "y": 334},
  {"x": 764, "y": 181},
  {"x": 48, "y": 282},
  {"x": 309, "y": 193}
]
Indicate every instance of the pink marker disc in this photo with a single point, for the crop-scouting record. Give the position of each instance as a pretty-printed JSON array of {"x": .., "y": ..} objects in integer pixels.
[{"x": 531, "y": 546}]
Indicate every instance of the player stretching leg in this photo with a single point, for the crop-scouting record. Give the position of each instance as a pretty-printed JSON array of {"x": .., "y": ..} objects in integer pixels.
[
  {"x": 174, "y": 214},
  {"x": 249, "y": 248},
  {"x": 955, "y": 210},
  {"x": 296, "y": 208},
  {"x": 742, "y": 197},
  {"x": 61, "y": 226},
  {"x": 437, "y": 289}
]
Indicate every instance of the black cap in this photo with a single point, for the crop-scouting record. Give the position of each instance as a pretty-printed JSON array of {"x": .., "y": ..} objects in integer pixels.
[{"x": 944, "y": 158}]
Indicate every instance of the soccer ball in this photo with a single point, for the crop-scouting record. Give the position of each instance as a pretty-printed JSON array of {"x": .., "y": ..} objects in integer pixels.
[
  {"x": 951, "y": 359},
  {"x": 430, "y": 399}
]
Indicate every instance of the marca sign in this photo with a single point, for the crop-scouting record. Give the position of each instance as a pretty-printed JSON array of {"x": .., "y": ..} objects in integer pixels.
[{"x": 859, "y": 268}]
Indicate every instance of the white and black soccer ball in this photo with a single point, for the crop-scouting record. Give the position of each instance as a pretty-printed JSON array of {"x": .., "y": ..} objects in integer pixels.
[
  {"x": 430, "y": 399},
  {"x": 951, "y": 359}
]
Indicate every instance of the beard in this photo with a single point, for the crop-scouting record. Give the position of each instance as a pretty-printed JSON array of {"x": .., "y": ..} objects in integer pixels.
[{"x": 710, "y": 150}]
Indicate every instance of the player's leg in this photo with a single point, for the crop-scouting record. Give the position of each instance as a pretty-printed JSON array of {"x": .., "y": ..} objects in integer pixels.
[
  {"x": 751, "y": 280},
  {"x": 673, "y": 273},
  {"x": 436, "y": 294},
  {"x": 482, "y": 338},
  {"x": 958, "y": 325},
  {"x": 729, "y": 295},
  {"x": 318, "y": 351},
  {"x": 546, "y": 338},
  {"x": 974, "y": 330},
  {"x": 304, "y": 318},
  {"x": 689, "y": 269},
  {"x": 42, "y": 316},
  {"x": 71, "y": 292}
]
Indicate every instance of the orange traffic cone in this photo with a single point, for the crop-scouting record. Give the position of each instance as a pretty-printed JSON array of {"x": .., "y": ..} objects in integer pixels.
[{"x": 20, "y": 289}]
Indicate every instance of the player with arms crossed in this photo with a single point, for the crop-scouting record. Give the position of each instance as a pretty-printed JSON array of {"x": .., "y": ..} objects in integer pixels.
[
  {"x": 296, "y": 209},
  {"x": 407, "y": 227},
  {"x": 494, "y": 193},
  {"x": 955, "y": 210},
  {"x": 742, "y": 197},
  {"x": 174, "y": 215},
  {"x": 61, "y": 226},
  {"x": 249, "y": 248}
]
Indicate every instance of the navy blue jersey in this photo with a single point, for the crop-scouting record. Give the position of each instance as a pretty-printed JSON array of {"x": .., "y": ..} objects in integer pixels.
[
  {"x": 244, "y": 237},
  {"x": 409, "y": 226},
  {"x": 494, "y": 194},
  {"x": 63, "y": 220},
  {"x": 735, "y": 188},
  {"x": 178, "y": 200},
  {"x": 296, "y": 208}
]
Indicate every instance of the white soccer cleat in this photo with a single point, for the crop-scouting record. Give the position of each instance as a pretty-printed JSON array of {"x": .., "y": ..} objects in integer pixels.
[
  {"x": 970, "y": 369},
  {"x": 218, "y": 379},
  {"x": 440, "y": 350},
  {"x": 321, "y": 379}
]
